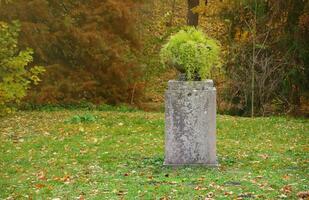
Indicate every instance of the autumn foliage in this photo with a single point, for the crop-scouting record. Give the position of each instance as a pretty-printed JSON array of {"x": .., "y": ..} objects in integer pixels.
[
  {"x": 88, "y": 49},
  {"x": 109, "y": 51}
]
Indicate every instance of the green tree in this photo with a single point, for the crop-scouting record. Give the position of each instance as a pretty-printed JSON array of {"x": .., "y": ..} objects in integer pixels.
[{"x": 15, "y": 77}]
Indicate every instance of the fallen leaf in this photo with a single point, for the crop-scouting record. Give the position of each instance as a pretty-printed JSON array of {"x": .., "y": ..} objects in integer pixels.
[
  {"x": 209, "y": 195},
  {"x": 282, "y": 196},
  {"x": 286, "y": 177},
  {"x": 264, "y": 156},
  {"x": 201, "y": 179},
  {"x": 287, "y": 189},
  {"x": 303, "y": 195},
  {"x": 199, "y": 188},
  {"x": 39, "y": 186},
  {"x": 121, "y": 193},
  {"x": 41, "y": 175}
]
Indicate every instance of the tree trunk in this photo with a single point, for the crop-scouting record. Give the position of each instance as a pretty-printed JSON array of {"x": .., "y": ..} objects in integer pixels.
[
  {"x": 192, "y": 18},
  {"x": 296, "y": 10},
  {"x": 170, "y": 23}
]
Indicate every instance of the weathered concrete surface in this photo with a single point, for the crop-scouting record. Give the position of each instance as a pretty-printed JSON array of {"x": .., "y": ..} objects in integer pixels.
[{"x": 190, "y": 123}]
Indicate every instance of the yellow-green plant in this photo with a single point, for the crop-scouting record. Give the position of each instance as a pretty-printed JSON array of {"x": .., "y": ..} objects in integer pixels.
[
  {"x": 15, "y": 78},
  {"x": 191, "y": 52}
]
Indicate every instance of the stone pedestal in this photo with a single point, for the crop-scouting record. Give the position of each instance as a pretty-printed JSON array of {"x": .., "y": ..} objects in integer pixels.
[{"x": 190, "y": 123}]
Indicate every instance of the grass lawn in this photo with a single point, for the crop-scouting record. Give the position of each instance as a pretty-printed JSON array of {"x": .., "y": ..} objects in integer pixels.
[{"x": 78, "y": 154}]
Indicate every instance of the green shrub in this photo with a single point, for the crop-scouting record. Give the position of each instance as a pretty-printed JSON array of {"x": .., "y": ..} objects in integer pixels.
[
  {"x": 86, "y": 118},
  {"x": 26, "y": 106},
  {"x": 191, "y": 52},
  {"x": 119, "y": 108},
  {"x": 86, "y": 106}
]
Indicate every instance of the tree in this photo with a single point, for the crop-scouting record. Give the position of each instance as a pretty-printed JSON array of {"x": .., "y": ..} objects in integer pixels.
[
  {"x": 90, "y": 49},
  {"x": 266, "y": 44},
  {"x": 192, "y": 17},
  {"x": 15, "y": 79}
]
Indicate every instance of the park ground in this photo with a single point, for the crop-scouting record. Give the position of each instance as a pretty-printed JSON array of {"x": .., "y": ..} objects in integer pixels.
[{"x": 82, "y": 154}]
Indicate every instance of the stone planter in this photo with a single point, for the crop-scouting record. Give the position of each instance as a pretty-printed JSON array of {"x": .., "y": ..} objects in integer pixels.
[{"x": 190, "y": 123}]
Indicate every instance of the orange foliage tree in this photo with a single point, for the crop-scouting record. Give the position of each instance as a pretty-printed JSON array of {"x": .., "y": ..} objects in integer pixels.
[{"x": 89, "y": 49}]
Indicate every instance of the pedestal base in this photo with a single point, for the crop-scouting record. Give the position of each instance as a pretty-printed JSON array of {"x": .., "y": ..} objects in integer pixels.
[{"x": 190, "y": 124}]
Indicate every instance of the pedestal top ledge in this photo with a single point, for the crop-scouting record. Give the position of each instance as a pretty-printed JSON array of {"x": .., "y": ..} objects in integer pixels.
[{"x": 190, "y": 85}]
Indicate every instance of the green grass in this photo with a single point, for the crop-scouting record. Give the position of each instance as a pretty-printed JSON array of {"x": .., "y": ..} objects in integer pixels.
[{"x": 119, "y": 155}]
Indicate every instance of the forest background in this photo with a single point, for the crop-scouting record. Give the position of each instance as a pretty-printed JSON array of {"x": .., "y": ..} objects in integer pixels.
[{"x": 107, "y": 52}]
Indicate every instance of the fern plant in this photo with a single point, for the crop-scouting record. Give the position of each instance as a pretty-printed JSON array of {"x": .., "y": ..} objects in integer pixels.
[{"x": 191, "y": 52}]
